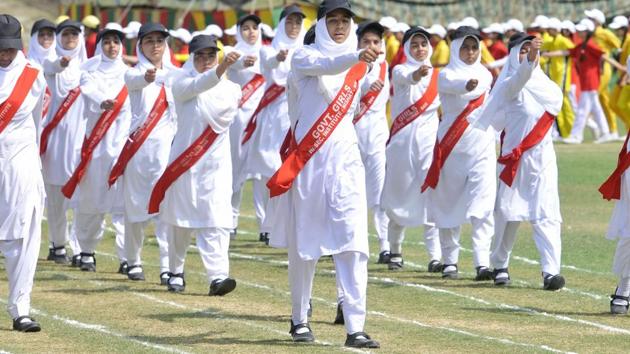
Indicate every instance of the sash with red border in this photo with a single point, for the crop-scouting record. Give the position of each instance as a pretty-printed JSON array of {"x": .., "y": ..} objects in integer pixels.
[
  {"x": 271, "y": 93},
  {"x": 46, "y": 103},
  {"x": 368, "y": 99},
  {"x": 611, "y": 189},
  {"x": 250, "y": 87},
  {"x": 56, "y": 119},
  {"x": 12, "y": 104}
]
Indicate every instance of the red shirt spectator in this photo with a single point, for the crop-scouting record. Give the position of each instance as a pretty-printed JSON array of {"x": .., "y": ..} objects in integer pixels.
[
  {"x": 587, "y": 57},
  {"x": 90, "y": 44},
  {"x": 498, "y": 49}
]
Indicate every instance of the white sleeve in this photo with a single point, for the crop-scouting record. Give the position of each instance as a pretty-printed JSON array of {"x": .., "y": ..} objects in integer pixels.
[
  {"x": 308, "y": 64},
  {"x": 186, "y": 87}
]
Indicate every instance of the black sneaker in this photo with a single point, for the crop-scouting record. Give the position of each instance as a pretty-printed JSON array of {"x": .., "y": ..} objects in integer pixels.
[
  {"x": 361, "y": 340},
  {"x": 164, "y": 276},
  {"x": 88, "y": 266},
  {"x": 137, "y": 276},
  {"x": 59, "y": 255},
  {"x": 123, "y": 267},
  {"x": 263, "y": 237},
  {"x": 176, "y": 288},
  {"x": 383, "y": 257},
  {"x": 435, "y": 266},
  {"x": 51, "y": 255},
  {"x": 309, "y": 313},
  {"x": 76, "y": 261},
  {"x": 301, "y": 333},
  {"x": 220, "y": 287},
  {"x": 26, "y": 324},
  {"x": 339, "y": 318},
  {"x": 501, "y": 277},
  {"x": 553, "y": 282},
  {"x": 449, "y": 271},
  {"x": 233, "y": 233},
  {"x": 395, "y": 261},
  {"x": 483, "y": 273},
  {"x": 618, "y": 304}
]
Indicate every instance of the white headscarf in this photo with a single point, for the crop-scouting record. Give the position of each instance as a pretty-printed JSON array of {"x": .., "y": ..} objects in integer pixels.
[
  {"x": 37, "y": 53},
  {"x": 78, "y": 53},
  {"x": 70, "y": 78},
  {"x": 330, "y": 84},
  {"x": 246, "y": 49},
  {"x": 458, "y": 69},
  {"x": 280, "y": 42},
  {"x": 216, "y": 105},
  {"x": 145, "y": 63},
  {"x": 411, "y": 61},
  {"x": 101, "y": 63},
  {"x": 544, "y": 91}
]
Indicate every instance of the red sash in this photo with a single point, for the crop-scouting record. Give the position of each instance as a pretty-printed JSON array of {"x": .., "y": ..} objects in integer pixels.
[
  {"x": 288, "y": 145},
  {"x": 46, "y": 103},
  {"x": 611, "y": 189},
  {"x": 56, "y": 119},
  {"x": 535, "y": 136},
  {"x": 12, "y": 104},
  {"x": 317, "y": 135},
  {"x": 251, "y": 87},
  {"x": 274, "y": 91},
  {"x": 98, "y": 132},
  {"x": 414, "y": 111},
  {"x": 368, "y": 99},
  {"x": 137, "y": 138},
  {"x": 442, "y": 149},
  {"x": 181, "y": 164}
]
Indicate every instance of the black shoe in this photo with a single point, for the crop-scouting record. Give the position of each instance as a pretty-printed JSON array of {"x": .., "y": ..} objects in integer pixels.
[
  {"x": 58, "y": 256},
  {"x": 553, "y": 282},
  {"x": 501, "y": 277},
  {"x": 304, "y": 335},
  {"x": 123, "y": 268},
  {"x": 339, "y": 318},
  {"x": 233, "y": 233},
  {"x": 221, "y": 287},
  {"x": 76, "y": 261},
  {"x": 435, "y": 266},
  {"x": 309, "y": 313},
  {"x": 383, "y": 257},
  {"x": 263, "y": 237},
  {"x": 135, "y": 275},
  {"x": 88, "y": 266},
  {"x": 176, "y": 288},
  {"x": 361, "y": 340},
  {"x": 395, "y": 261},
  {"x": 164, "y": 276},
  {"x": 483, "y": 273},
  {"x": 51, "y": 255},
  {"x": 619, "y": 304},
  {"x": 449, "y": 271},
  {"x": 26, "y": 326}
]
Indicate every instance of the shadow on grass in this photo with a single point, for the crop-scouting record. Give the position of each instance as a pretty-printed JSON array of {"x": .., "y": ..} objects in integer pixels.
[
  {"x": 524, "y": 311},
  {"x": 213, "y": 338},
  {"x": 101, "y": 290}
]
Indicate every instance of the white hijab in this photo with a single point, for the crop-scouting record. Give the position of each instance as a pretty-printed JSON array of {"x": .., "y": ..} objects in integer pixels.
[
  {"x": 71, "y": 76},
  {"x": 246, "y": 49},
  {"x": 544, "y": 91},
  {"x": 145, "y": 63},
  {"x": 280, "y": 42},
  {"x": 329, "y": 85},
  {"x": 37, "y": 53},
  {"x": 411, "y": 61},
  {"x": 103, "y": 64},
  {"x": 10, "y": 74},
  {"x": 78, "y": 53},
  {"x": 457, "y": 68},
  {"x": 216, "y": 105}
]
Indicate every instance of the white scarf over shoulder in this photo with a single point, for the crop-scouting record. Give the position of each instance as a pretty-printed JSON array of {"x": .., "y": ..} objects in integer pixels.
[
  {"x": 37, "y": 53},
  {"x": 246, "y": 49},
  {"x": 456, "y": 68},
  {"x": 281, "y": 42}
]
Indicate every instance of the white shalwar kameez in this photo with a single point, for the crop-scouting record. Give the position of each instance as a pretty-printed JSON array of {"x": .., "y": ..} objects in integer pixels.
[
  {"x": 325, "y": 211},
  {"x": 521, "y": 95},
  {"x": 151, "y": 159},
  {"x": 467, "y": 187},
  {"x": 102, "y": 79},
  {"x": 21, "y": 188},
  {"x": 241, "y": 75},
  {"x": 63, "y": 151},
  {"x": 409, "y": 155},
  {"x": 198, "y": 202},
  {"x": 263, "y": 157}
]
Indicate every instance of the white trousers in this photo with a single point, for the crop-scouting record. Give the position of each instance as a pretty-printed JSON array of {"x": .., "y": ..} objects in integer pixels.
[
  {"x": 118, "y": 222},
  {"x": 261, "y": 198},
  {"x": 381, "y": 222},
  {"x": 56, "y": 207},
  {"x": 20, "y": 261},
  {"x": 237, "y": 197},
  {"x": 351, "y": 277},
  {"x": 213, "y": 244},
  {"x": 546, "y": 236},
  {"x": 89, "y": 230},
  {"x": 482, "y": 230},
  {"x": 396, "y": 234},
  {"x": 589, "y": 104},
  {"x": 134, "y": 239},
  {"x": 621, "y": 261}
]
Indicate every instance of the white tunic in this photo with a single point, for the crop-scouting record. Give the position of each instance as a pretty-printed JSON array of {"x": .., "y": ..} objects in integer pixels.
[
  {"x": 94, "y": 194},
  {"x": 410, "y": 151},
  {"x": 325, "y": 210},
  {"x": 619, "y": 225},
  {"x": 201, "y": 197},
  {"x": 63, "y": 152},
  {"x": 150, "y": 161},
  {"x": 21, "y": 184},
  {"x": 372, "y": 133}
]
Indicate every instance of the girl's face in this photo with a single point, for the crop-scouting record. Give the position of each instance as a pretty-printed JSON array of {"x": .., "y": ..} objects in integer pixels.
[
  {"x": 250, "y": 32},
  {"x": 338, "y": 25},
  {"x": 7, "y": 56},
  {"x": 70, "y": 38},
  {"x": 419, "y": 47},
  {"x": 524, "y": 51},
  {"x": 111, "y": 46},
  {"x": 153, "y": 46},
  {"x": 205, "y": 59},
  {"x": 370, "y": 39},
  {"x": 293, "y": 25},
  {"x": 45, "y": 37},
  {"x": 469, "y": 51}
]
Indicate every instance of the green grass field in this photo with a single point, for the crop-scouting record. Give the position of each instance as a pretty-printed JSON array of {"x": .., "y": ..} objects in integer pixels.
[{"x": 409, "y": 311}]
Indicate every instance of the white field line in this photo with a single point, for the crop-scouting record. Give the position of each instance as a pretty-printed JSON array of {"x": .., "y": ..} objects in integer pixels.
[
  {"x": 452, "y": 293},
  {"x": 518, "y": 258},
  {"x": 103, "y": 329},
  {"x": 4, "y": 352}
]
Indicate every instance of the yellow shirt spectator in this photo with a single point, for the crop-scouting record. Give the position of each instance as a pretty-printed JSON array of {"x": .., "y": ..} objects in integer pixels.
[
  {"x": 391, "y": 47},
  {"x": 441, "y": 54}
]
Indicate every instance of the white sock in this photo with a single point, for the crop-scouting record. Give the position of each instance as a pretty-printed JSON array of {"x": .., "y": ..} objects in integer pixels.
[{"x": 623, "y": 289}]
